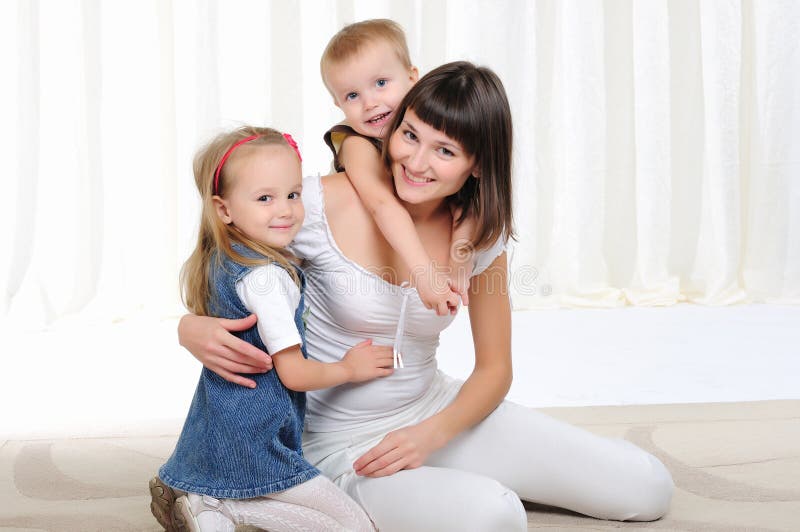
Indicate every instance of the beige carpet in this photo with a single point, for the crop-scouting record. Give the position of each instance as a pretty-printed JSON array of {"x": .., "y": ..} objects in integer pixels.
[{"x": 736, "y": 468}]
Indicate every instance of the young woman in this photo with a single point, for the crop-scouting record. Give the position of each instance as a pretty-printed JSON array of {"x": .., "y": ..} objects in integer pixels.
[{"x": 420, "y": 450}]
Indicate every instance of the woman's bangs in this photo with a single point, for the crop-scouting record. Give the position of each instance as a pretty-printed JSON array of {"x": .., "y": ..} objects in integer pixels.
[{"x": 447, "y": 111}]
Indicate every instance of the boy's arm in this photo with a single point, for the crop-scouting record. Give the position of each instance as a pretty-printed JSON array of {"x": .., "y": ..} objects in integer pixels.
[
  {"x": 368, "y": 175},
  {"x": 366, "y": 171}
]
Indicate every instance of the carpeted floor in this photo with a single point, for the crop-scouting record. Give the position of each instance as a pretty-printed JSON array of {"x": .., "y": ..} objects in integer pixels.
[{"x": 736, "y": 468}]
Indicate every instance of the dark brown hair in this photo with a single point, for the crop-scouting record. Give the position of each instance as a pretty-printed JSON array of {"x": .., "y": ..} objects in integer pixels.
[{"x": 468, "y": 104}]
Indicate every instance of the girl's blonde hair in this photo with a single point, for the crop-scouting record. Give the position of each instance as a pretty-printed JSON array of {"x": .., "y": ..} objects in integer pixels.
[{"x": 214, "y": 237}]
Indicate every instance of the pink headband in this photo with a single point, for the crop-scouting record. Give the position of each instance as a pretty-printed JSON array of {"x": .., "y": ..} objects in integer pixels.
[
  {"x": 228, "y": 153},
  {"x": 293, "y": 144}
]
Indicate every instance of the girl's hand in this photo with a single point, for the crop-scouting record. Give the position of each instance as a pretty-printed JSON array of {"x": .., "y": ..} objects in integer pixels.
[
  {"x": 365, "y": 361},
  {"x": 405, "y": 448},
  {"x": 209, "y": 341}
]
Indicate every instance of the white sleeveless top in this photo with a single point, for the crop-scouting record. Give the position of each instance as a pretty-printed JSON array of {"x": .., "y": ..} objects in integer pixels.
[{"x": 347, "y": 304}]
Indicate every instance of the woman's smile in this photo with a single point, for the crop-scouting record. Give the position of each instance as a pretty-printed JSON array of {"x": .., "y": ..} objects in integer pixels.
[{"x": 413, "y": 179}]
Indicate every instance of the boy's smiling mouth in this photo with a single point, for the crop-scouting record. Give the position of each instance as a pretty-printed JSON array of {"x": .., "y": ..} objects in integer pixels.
[{"x": 379, "y": 118}]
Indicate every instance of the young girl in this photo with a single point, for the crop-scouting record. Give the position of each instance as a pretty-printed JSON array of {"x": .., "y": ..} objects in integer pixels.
[{"x": 239, "y": 456}]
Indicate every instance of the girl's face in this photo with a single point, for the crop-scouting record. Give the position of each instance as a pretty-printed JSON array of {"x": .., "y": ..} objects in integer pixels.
[
  {"x": 263, "y": 194},
  {"x": 427, "y": 165}
]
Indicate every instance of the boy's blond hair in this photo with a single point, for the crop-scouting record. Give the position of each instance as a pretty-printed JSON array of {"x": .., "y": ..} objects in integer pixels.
[{"x": 352, "y": 38}]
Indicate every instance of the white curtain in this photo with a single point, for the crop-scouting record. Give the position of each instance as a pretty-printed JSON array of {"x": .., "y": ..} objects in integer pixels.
[
  {"x": 667, "y": 157},
  {"x": 657, "y": 151}
]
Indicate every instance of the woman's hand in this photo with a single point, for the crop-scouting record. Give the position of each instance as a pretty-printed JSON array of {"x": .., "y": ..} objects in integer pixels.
[
  {"x": 405, "y": 448},
  {"x": 209, "y": 340}
]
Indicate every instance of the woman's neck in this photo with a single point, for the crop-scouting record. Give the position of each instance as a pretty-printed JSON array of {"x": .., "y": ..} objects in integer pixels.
[{"x": 425, "y": 212}]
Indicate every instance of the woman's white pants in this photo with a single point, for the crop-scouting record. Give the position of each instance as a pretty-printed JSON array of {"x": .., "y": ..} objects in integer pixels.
[{"x": 476, "y": 481}]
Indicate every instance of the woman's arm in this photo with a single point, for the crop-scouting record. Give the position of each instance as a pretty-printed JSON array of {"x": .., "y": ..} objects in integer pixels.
[
  {"x": 361, "y": 363},
  {"x": 365, "y": 170},
  {"x": 487, "y": 385},
  {"x": 209, "y": 340}
]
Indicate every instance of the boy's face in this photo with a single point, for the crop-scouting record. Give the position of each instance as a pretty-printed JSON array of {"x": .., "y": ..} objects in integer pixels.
[{"x": 369, "y": 86}]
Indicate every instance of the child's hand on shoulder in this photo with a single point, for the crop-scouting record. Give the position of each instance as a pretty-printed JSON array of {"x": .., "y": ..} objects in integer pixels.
[
  {"x": 435, "y": 291},
  {"x": 459, "y": 284},
  {"x": 365, "y": 361}
]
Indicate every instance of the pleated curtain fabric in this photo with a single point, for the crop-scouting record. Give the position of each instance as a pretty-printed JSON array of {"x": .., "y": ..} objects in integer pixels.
[{"x": 657, "y": 151}]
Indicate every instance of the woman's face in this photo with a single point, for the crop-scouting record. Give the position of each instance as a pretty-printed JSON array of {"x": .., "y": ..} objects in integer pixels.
[{"x": 427, "y": 165}]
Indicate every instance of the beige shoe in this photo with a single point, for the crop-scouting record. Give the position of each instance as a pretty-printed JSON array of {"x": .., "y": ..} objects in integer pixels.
[{"x": 162, "y": 504}]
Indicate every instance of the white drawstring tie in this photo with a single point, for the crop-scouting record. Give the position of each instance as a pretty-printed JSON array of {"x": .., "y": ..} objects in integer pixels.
[{"x": 397, "y": 355}]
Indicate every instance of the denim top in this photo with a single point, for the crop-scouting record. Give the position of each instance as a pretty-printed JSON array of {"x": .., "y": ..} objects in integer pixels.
[{"x": 239, "y": 442}]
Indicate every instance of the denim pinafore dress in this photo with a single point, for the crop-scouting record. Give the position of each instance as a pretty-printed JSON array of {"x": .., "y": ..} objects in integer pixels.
[{"x": 237, "y": 442}]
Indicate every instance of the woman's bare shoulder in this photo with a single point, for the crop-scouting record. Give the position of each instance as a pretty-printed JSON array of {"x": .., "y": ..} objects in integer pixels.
[{"x": 339, "y": 193}]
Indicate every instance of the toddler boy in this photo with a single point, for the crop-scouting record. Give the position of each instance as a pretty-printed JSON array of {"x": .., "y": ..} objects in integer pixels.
[{"x": 367, "y": 69}]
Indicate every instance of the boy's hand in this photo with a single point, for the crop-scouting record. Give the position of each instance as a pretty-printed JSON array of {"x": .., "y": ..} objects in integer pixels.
[
  {"x": 459, "y": 281},
  {"x": 365, "y": 361},
  {"x": 434, "y": 289},
  {"x": 460, "y": 285}
]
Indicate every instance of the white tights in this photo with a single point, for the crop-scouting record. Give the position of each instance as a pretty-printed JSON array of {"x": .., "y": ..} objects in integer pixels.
[
  {"x": 476, "y": 481},
  {"x": 314, "y": 505}
]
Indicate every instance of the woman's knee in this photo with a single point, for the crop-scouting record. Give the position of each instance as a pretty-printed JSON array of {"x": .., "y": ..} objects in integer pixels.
[
  {"x": 502, "y": 511},
  {"x": 492, "y": 507},
  {"x": 441, "y": 500},
  {"x": 652, "y": 495},
  {"x": 659, "y": 492}
]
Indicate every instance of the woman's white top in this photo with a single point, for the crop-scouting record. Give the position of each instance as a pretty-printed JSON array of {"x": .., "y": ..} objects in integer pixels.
[{"x": 347, "y": 304}]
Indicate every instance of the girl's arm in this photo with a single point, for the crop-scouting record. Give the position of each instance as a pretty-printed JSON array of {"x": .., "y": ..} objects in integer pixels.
[
  {"x": 366, "y": 171},
  {"x": 269, "y": 292},
  {"x": 361, "y": 363},
  {"x": 487, "y": 385},
  {"x": 209, "y": 340}
]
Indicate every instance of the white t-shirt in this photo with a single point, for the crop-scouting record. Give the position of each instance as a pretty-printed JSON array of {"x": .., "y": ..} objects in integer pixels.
[{"x": 269, "y": 292}]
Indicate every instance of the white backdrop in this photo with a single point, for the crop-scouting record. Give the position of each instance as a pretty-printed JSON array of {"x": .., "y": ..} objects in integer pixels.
[{"x": 657, "y": 149}]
